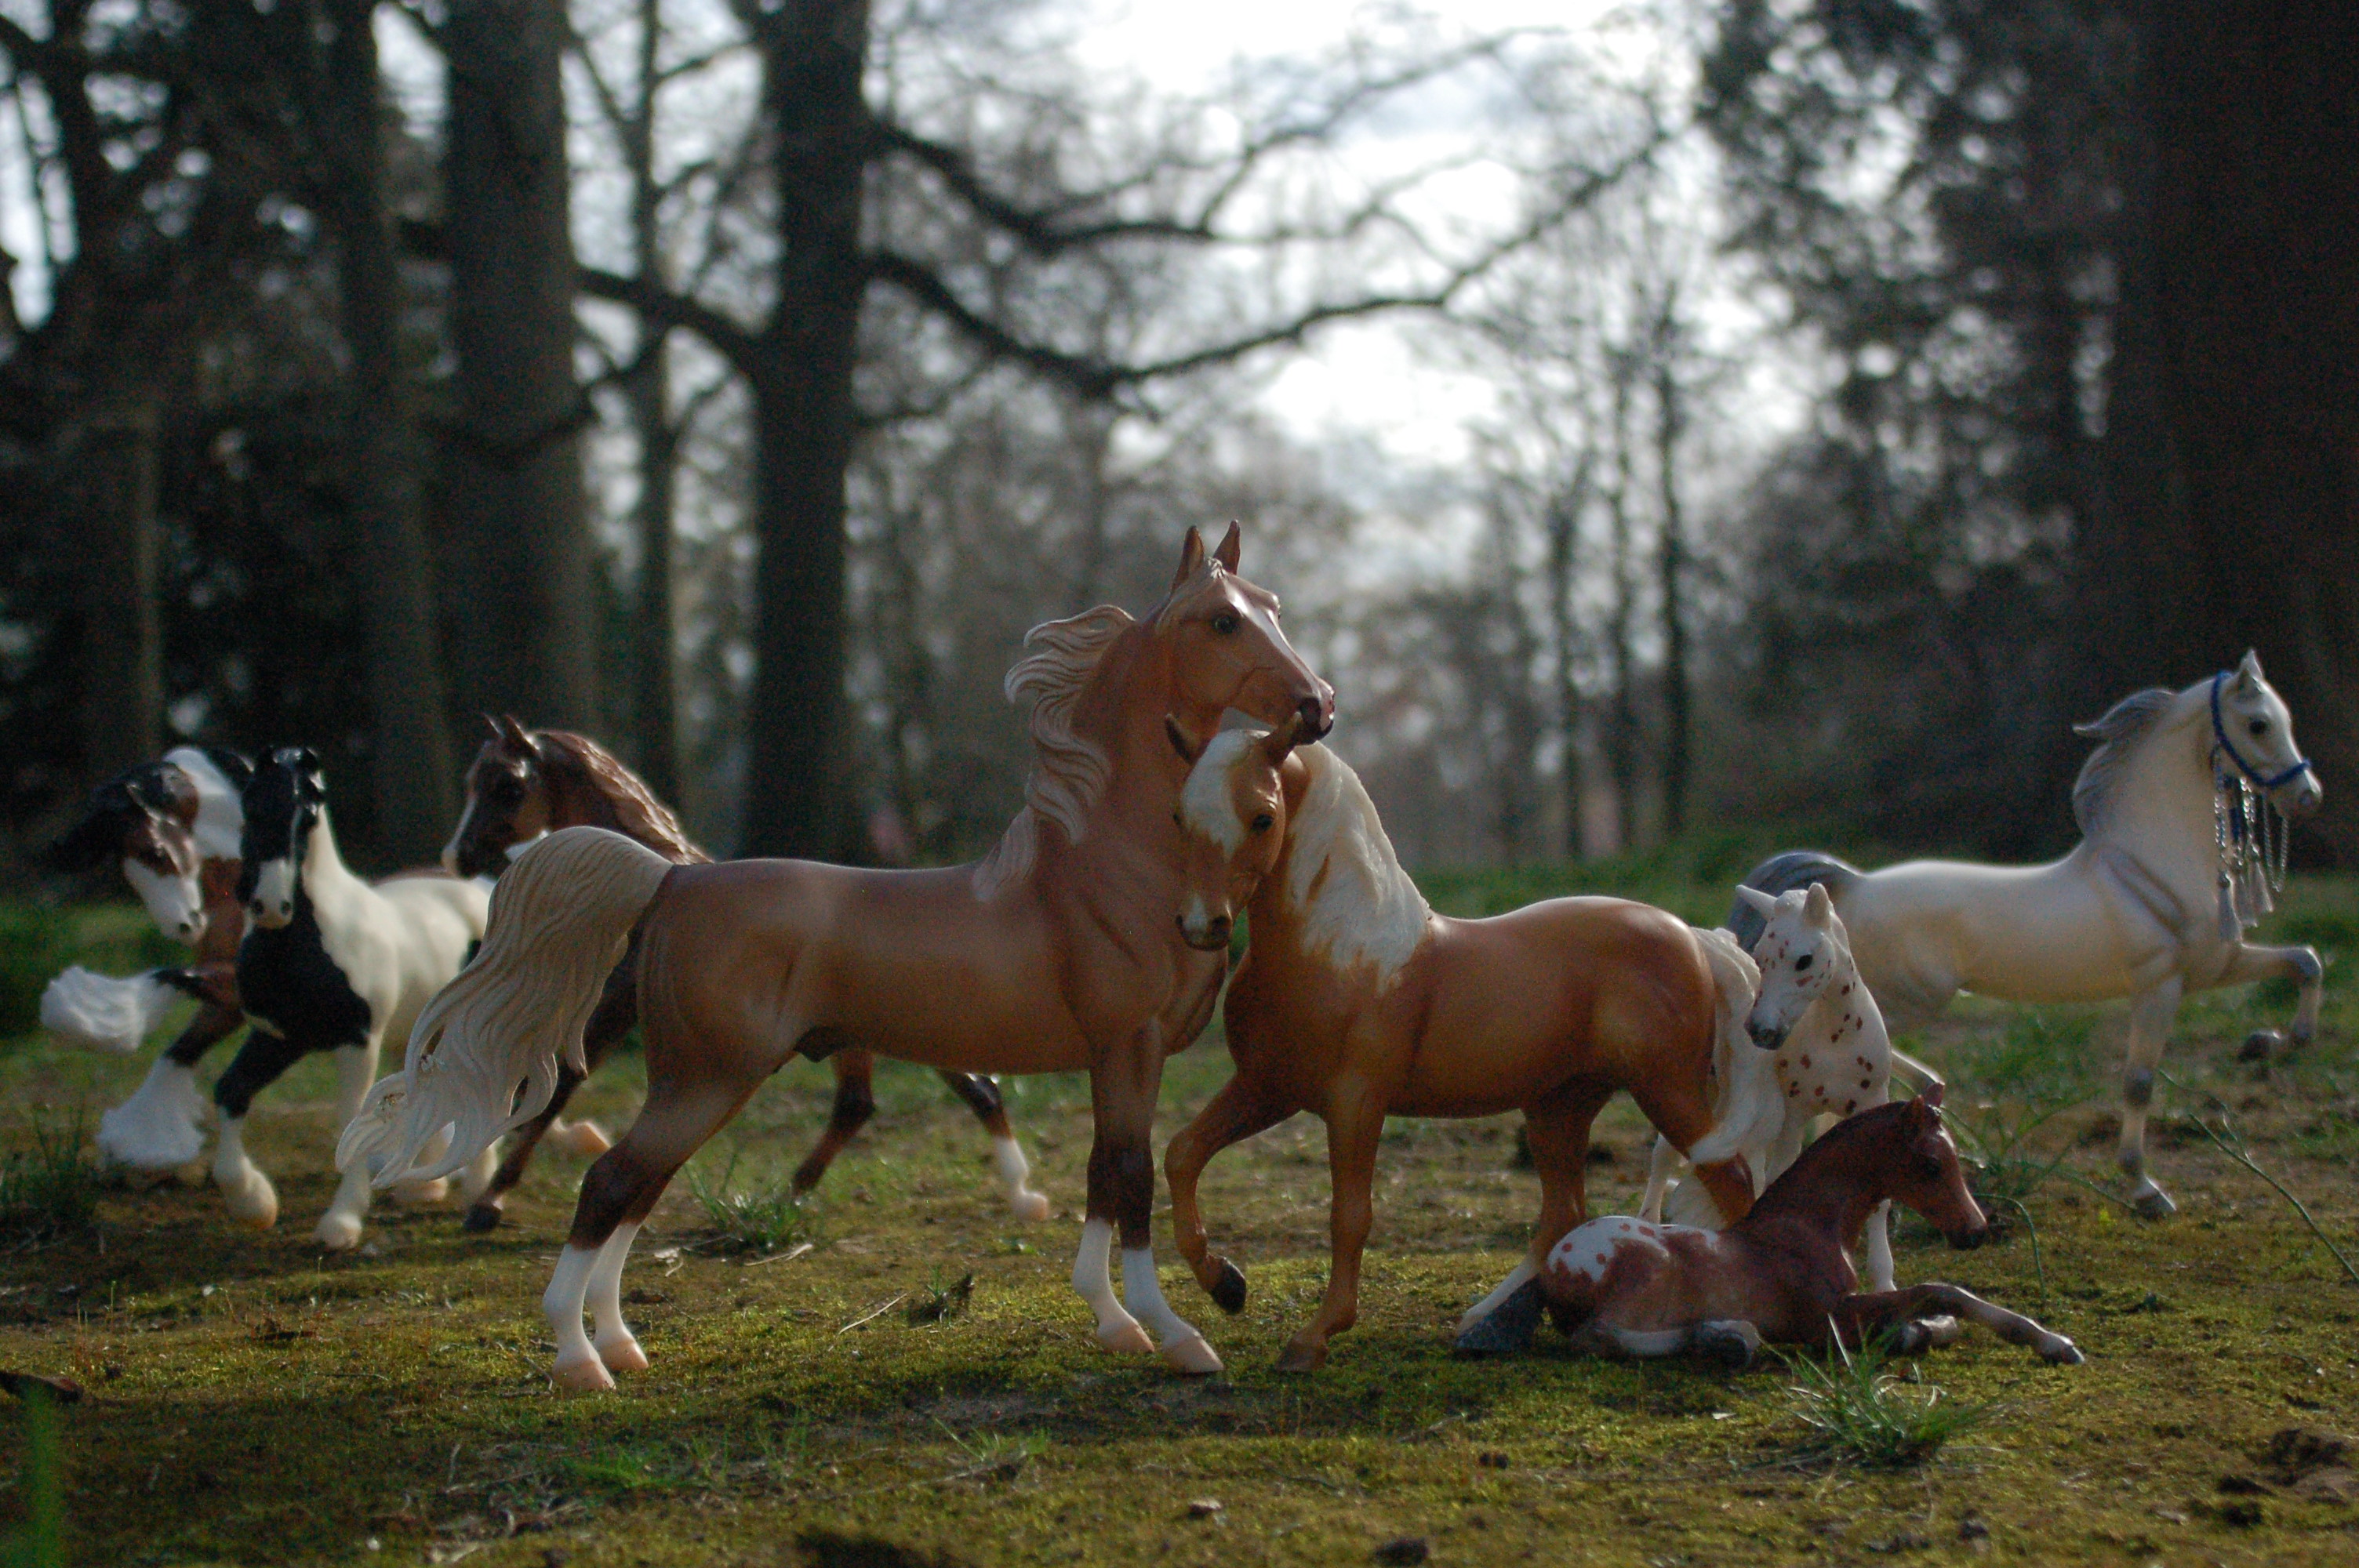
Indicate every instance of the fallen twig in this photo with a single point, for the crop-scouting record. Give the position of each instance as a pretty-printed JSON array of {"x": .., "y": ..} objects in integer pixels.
[
  {"x": 870, "y": 1317},
  {"x": 2243, "y": 1156}
]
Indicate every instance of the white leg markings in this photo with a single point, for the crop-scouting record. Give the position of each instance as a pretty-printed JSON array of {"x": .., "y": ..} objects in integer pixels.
[
  {"x": 577, "y": 1367},
  {"x": 1015, "y": 1175},
  {"x": 1093, "y": 1280},
  {"x": 1181, "y": 1344}
]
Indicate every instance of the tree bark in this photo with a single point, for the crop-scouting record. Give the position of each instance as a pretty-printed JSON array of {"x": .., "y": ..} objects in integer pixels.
[
  {"x": 2256, "y": 122},
  {"x": 524, "y": 633},
  {"x": 1564, "y": 510},
  {"x": 1670, "y": 567},
  {"x": 114, "y": 464},
  {"x": 1622, "y": 729},
  {"x": 797, "y": 789},
  {"x": 653, "y": 695},
  {"x": 410, "y": 768}
]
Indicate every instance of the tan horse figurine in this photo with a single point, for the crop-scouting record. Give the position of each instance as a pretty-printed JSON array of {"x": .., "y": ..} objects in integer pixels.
[
  {"x": 1060, "y": 951},
  {"x": 1356, "y": 1001}
]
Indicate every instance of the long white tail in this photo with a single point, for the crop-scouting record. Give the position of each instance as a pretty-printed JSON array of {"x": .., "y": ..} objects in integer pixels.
[
  {"x": 102, "y": 1011},
  {"x": 560, "y": 921},
  {"x": 1746, "y": 1110}
]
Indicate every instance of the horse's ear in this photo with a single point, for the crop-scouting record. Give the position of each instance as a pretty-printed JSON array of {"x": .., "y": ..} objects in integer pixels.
[
  {"x": 1192, "y": 556},
  {"x": 1932, "y": 1095},
  {"x": 1188, "y": 747},
  {"x": 513, "y": 732},
  {"x": 2248, "y": 671},
  {"x": 1817, "y": 907},
  {"x": 1278, "y": 745},
  {"x": 1226, "y": 554},
  {"x": 1754, "y": 899}
]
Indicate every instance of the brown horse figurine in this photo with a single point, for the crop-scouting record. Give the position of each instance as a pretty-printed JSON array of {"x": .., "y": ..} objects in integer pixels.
[
  {"x": 1060, "y": 951},
  {"x": 1784, "y": 1272},
  {"x": 1355, "y": 1001},
  {"x": 523, "y": 783}
]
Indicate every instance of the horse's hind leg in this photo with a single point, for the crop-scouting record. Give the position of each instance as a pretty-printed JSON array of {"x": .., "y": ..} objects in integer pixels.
[
  {"x": 2151, "y": 1019},
  {"x": 1232, "y": 1116},
  {"x": 855, "y": 1102},
  {"x": 1680, "y": 1112},
  {"x": 1867, "y": 1315},
  {"x": 981, "y": 1095},
  {"x": 618, "y": 1009},
  {"x": 1558, "y": 1131}
]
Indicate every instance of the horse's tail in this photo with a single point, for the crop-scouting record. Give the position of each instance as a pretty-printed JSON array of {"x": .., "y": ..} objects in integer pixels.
[
  {"x": 110, "y": 1012},
  {"x": 1746, "y": 1104},
  {"x": 1782, "y": 874},
  {"x": 483, "y": 1054}
]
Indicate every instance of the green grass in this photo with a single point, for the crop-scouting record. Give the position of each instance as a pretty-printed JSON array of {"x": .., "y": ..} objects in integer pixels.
[
  {"x": 252, "y": 1401},
  {"x": 49, "y": 1184},
  {"x": 1860, "y": 1410},
  {"x": 767, "y": 1217}
]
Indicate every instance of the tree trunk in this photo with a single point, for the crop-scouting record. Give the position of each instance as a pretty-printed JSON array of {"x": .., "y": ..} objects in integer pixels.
[
  {"x": 114, "y": 464},
  {"x": 1565, "y": 510},
  {"x": 1622, "y": 733},
  {"x": 523, "y": 632},
  {"x": 797, "y": 789},
  {"x": 654, "y": 697},
  {"x": 413, "y": 792},
  {"x": 1670, "y": 566},
  {"x": 2257, "y": 201}
]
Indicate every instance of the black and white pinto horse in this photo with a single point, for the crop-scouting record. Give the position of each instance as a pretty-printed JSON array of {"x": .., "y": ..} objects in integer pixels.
[
  {"x": 172, "y": 828},
  {"x": 329, "y": 962}
]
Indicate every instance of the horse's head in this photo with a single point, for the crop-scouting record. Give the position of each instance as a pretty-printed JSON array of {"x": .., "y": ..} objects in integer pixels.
[
  {"x": 1924, "y": 1172},
  {"x": 1802, "y": 947},
  {"x": 1233, "y": 809},
  {"x": 2252, "y": 725},
  {"x": 1226, "y": 647},
  {"x": 146, "y": 819},
  {"x": 283, "y": 803},
  {"x": 508, "y": 803}
]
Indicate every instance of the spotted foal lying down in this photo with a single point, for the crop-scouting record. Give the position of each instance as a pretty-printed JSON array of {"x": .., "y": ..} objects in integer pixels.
[{"x": 1782, "y": 1273}]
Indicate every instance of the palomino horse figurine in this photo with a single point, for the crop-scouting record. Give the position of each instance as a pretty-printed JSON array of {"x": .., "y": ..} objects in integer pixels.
[
  {"x": 331, "y": 963},
  {"x": 173, "y": 827},
  {"x": 1832, "y": 1055},
  {"x": 1781, "y": 1273},
  {"x": 523, "y": 783},
  {"x": 1355, "y": 1001},
  {"x": 2152, "y": 905},
  {"x": 1060, "y": 951}
]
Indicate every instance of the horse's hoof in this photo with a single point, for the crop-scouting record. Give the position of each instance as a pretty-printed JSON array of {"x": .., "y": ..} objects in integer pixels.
[
  {"x": 1126, "y": 1339},
  {"x": 2154, "y": 1204},
  {"x": 2260, "y": 1045},
  {"x": 252, "y": 1202},
  {"x": 621, "y": 1354},
  {"x": 1300, "y": 1357},
  {"x": 416, "y": 1194},
  {"x": 583, "y": 1139},
  {"x": 1940, "y": 1331},
  {"x": 586, "y": 1376},
  {"x": 1030, "y": 1206},
  {"x": 483, "y": 1217},
  {"x": 1507, "y": 1329},
  {"x": 2061, "y": 1350},
  {"x": 338, "y": 1232},
  {"x": 807, "y": 1176},
  {"x": 1191, "y": 1357},
  {"x": 1727, "y": 1346},
  {"x": 1229, "y": 1290}
]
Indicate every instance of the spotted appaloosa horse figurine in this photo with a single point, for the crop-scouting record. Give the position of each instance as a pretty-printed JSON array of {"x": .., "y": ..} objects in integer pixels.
[
  {"x": 1058, "y": 952},
  {"x": 523, "y": 783},
  {"x": 1355, "y": 1001},
  {"x": 329, "y": 963},
  {"x": 1783, "y": 1273},
  {"x": 1831, "y": 1055},
  {"x": 2153, "y": 903},
  {"x": 172, "y": 827}
]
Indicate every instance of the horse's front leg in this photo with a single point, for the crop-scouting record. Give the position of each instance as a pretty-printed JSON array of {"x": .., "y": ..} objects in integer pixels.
[
  {"x": 1232, "y": 1116},
  {"x": 1355, "y": 1124},
  {"x": 610, "y": 1023},
  {"x": 1123, "y": 1087},
  {"x": 2151, "y": 1015},
  {"x": 1865, "y": 1316},
  {"x": 2299, "y": 965},
  {"x": 265, "y": 1055}
]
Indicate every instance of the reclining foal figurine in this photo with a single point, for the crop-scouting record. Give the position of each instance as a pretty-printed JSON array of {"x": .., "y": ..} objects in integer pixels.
[{"x": 1782, "y": 1273}]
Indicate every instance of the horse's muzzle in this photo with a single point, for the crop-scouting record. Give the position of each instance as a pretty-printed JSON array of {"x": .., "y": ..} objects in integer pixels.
[
  {"x": 1317, "y": 713},
  {"x": 1769, "y": 1037},
  {"x": 268, "y": 916},
  {"x": 1967, "y": 1240},
  {"x": 1209, "y": 937},
  {"x": 2304, "y": 799}
]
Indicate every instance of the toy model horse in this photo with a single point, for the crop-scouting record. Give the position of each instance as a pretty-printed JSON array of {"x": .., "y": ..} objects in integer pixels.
[
  {"x": 1832, "y": 1055},
  {"x": 331, "y": 963},
  {"x": 1060, "y": 951},
  {"x": 525, "y": 784},
  {"x": 1781, "y": 1273},
  {"x": 2152, "y": 905},
  {"x": 173, "y": 827},
  {"x": 1356, "y": 1001}
]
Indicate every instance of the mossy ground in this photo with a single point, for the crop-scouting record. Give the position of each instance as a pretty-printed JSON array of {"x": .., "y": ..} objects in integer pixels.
[{"x": 254, "y": 1401}]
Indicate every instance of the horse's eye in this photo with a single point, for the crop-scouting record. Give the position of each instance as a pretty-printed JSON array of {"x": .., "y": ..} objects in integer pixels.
[
  {"x": 1176, "y": 819},
  {"x": 1929, "y": 1166},
  {"x": 2259, "y": 727},
  {"x": 1263, "y": 823},
  {"x": 1803, "y": 962},
  {"x": 1225, "y": 622}
]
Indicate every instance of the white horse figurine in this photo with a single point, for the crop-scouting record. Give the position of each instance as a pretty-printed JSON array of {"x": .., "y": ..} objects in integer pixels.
[
  {"x": 1832, "y": 1058},
  {"x": 2176, "y": 864}
]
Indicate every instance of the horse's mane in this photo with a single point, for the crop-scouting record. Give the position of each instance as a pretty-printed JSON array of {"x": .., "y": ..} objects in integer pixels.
[
  {"x": 1357, "y": 902},
  {"x": 638, "y": 814},
  {"x": 2118, "y": 734},
  {"x": 1070, "y": 772}
]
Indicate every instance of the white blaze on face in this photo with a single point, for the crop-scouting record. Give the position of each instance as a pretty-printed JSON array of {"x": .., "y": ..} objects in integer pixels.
[
  {"x": 273, "y": 904},
  {"x": 1207, "y": 805},
  {"x": 176, "y": 903},
  {"x": 1797, "y": 958},
  {"x": 221, "y": 814},
  {"x": 458, "y": 837}
]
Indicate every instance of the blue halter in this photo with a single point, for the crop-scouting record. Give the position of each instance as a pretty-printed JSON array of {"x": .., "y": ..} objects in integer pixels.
[{"x": 2220, "y": 734}]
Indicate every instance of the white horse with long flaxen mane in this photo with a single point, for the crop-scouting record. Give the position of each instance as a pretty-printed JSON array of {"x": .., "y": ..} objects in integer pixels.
[{"x": 2179, "y": 860}]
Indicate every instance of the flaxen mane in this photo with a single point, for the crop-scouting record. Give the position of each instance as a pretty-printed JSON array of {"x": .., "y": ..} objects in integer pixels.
[
  {"x": 1356, "y": 900},
  {"x": 2118, "y": 734},
  {"x": 637, "y": 813},
  {"x": 1070, "y": 772}
]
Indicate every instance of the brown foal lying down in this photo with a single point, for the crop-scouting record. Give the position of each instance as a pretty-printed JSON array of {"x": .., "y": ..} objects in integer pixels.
[{"x": 1781, "y": 1273}]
